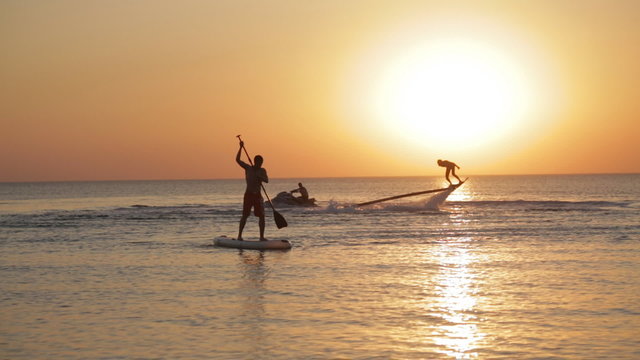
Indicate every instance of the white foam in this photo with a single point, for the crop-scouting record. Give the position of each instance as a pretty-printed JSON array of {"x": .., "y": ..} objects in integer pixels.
[
  {"x": 335, "y": 207},
  {"x": 438, "y": 199}
]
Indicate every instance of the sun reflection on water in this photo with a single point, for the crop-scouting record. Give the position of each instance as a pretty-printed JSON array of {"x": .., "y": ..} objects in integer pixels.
[
  {"x": 462, "y": 193},
  {"x": 456, "y": 300}
]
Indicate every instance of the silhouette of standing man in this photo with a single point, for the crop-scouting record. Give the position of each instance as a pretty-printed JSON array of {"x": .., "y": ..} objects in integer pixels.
[
  {"x": 451, "y": 169},
  {"x": 254, "y": 175}
]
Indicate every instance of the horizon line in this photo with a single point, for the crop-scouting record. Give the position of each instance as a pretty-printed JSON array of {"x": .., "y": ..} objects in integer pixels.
[{"x": 307, "y": 178}]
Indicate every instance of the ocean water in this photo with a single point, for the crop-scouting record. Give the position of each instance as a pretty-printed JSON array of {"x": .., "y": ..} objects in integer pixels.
[{"x": 504, "y": 267}]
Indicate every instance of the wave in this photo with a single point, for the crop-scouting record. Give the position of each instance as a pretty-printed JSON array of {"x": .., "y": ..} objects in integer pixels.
[
  {"x": 435, "y": 205},
  {"x": 438, "y": 204},
  {"x": 346, "y": 208},
  {"x": 183, "y": 206},
  {"x": 543, "y": 204},
  {"x": 146, "y": 213}
]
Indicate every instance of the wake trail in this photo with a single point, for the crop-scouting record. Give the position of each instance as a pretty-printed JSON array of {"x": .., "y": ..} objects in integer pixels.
[
  {"x": 437, "y": 200},
  {"x": 433, "y": 203}
]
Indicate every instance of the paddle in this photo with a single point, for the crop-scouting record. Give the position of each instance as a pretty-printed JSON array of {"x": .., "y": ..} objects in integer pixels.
[{"x": 280, "y": 220}]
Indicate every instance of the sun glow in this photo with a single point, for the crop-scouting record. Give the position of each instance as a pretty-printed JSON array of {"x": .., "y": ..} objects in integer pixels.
[
  {"x": 450, "y": 93},
  {"x": 466, "y": 91}
]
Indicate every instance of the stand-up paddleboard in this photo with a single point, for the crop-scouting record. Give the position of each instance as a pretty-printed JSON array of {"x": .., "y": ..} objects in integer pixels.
[{"x": 253, "y": 245}]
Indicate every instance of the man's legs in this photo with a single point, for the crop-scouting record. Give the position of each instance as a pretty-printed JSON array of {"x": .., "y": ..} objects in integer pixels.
[
  {"x": 446, "y": 174},
  {"x": 258, "y": 210},
  {"x": 246, "y": 211},
  {"x": 243, "y": 221},
  {"x": 254, "y": 202},
  {"x": 261, "y": 224},
  {"x": 453, "y": 172}
]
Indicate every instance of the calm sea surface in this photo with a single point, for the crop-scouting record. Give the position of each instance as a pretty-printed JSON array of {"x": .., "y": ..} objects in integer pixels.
[{"x": 505, "y": 267}]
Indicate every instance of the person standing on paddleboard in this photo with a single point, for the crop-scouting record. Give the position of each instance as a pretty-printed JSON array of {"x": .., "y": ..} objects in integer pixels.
[
  {"x": 254, "y": 175},
  {"x": 451, "y": 169}
]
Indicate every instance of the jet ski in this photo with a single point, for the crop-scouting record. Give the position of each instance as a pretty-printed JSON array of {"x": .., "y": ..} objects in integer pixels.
[{"x": 286, "y": 198}]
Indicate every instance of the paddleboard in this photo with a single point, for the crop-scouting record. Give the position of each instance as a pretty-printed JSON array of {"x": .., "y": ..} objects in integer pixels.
[{"x": 253, "y": 245}]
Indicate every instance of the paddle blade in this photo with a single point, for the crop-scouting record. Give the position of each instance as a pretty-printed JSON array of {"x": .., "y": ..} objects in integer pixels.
[{"x": 280, "y": 220}]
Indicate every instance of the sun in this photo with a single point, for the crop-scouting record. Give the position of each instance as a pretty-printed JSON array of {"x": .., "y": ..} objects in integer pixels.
[
  {"x": 460, "y": 87},
  {"x": 450, "y": 94}
]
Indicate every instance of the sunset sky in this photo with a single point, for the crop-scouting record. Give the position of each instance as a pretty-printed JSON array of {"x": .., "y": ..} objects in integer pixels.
[{"x": 116, "y": 90}]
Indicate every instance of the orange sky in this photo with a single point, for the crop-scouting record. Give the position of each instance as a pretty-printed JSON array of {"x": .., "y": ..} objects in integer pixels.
[{"x": 158, "y": 89}]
